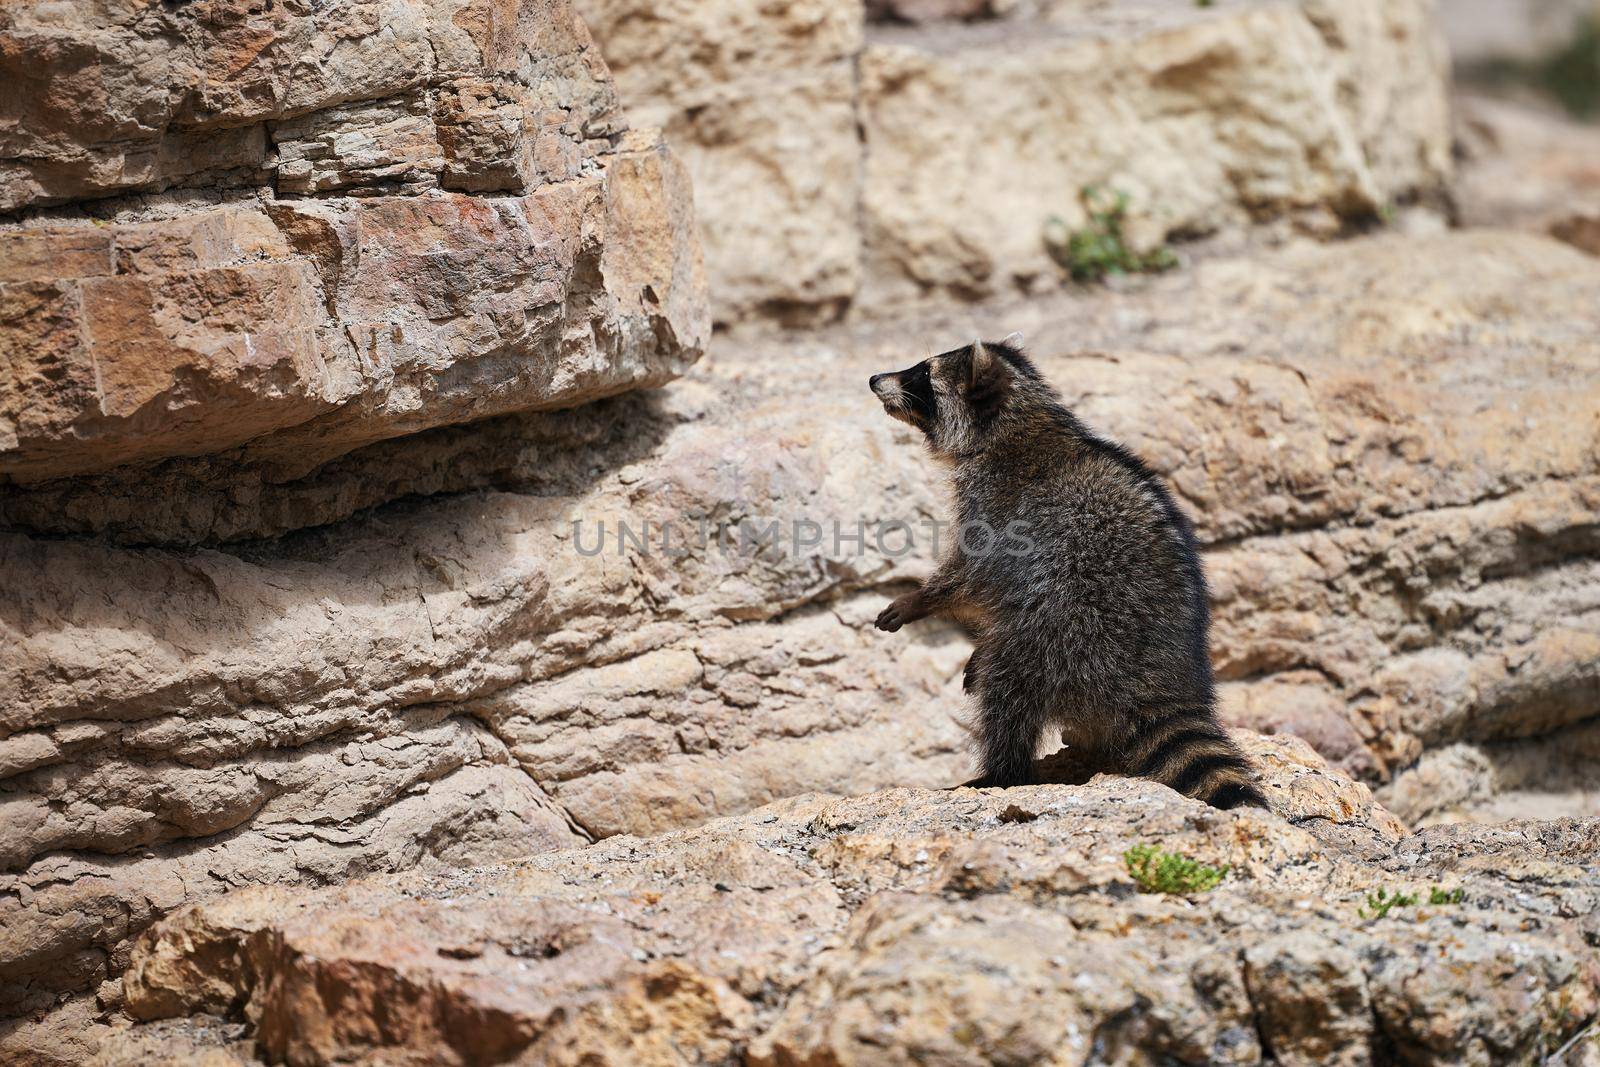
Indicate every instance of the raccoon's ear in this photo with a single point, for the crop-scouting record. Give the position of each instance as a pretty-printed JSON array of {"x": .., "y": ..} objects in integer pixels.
[
  {"x": 984, "y": 373},
  {"x": 1012, "y": 339}
]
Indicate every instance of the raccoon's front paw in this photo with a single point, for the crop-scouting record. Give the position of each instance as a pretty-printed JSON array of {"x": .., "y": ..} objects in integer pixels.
[{"x": 901, "y": 610}]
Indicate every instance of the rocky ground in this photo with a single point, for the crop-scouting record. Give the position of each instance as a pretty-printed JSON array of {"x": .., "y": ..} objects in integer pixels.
[
  {"x": 1396, "y": 484},
  {"x": 960, "y": 927},
  {"x": 298, "y": 591}
]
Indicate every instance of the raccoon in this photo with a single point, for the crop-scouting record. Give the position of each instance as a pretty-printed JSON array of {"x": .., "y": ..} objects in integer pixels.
[{"x": 1092, "y": 615}]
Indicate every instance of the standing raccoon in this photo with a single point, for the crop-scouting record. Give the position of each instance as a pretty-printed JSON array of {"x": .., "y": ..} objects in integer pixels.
[{"x": 1094, "y": 620}]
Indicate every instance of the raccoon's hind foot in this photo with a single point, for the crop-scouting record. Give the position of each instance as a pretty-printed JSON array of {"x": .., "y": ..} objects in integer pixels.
[{"x": 1238, "y": 795}]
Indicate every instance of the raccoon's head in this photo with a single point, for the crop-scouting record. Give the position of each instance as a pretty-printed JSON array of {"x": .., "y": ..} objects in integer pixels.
[{"x": 955, "y": 396}]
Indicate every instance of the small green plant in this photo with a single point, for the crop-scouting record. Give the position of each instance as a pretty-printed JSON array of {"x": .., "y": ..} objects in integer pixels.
[
  {"x": 1381, "y": 902},
  {"x": 1156, "y": 871},
  {"x": 1202, "y": 3},
  {"x": 1099, "y": 249}
]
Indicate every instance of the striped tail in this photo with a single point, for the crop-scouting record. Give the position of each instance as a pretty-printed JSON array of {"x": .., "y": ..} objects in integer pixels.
[{"x": 1189, "y": 751}]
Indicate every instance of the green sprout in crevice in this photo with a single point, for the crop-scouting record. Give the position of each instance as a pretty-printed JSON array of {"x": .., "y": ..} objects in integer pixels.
[
  {"x": 1156, "y": 871},
  {"x": 1381, "y": 901},
  {"x": 1099, "y": 249}
]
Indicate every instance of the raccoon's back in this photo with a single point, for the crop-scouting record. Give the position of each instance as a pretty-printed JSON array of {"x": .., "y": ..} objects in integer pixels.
[
  {"x": 1107, "y": 540},
  {"x": 1112, "y": 584}
]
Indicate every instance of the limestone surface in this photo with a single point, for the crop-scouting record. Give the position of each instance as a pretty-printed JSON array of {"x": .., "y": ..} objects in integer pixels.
[
  {"x": 960, "y": 927},
  {"x": 760, "y": 102},
  {"x": 1529, "y": 167},
  {"x": 847, "y": 168},
  {"x": 1389, "y": 446},
  {"x": 977, "y": 137},
  {"x": 267, "y": 230},
  {"x": 127, "y": 95},
  {"x": 290, "y": 332}
]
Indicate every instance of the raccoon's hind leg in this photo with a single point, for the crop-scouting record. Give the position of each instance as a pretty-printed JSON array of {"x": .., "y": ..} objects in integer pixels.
[
  {"x": 1011, "y": 715},
  {"x": 1188, "y": 749}
]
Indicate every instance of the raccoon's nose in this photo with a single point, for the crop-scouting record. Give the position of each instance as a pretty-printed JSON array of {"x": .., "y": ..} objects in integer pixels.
[{"x": 872, "y": 382}]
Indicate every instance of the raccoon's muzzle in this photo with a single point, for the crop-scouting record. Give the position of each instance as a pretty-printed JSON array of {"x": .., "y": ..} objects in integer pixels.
[
  {"x": 906, "y": 395},
  {"x": 891, "y": 393}
]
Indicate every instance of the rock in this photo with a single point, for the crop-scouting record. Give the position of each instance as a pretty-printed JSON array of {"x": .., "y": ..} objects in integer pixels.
[
  {"x": 1387, "y": 445},
  {"x": 976, "y": 138},
  {"x": 908, "y": 926},
  {"x": 1581, "y": 231},
  {"x": 1492, "y": 781},
  {"x": 759, "y": 100},
  {"x": 68, "y": 1035},
  {"x": 1528, "y": 167},
  {"x": 198, "y": 1042},
  {"x": 130, "y": 97},
  {"x": 338, "y": 322},
  {"x": 935, "y": 10},
  {"x": 335, "y": 277},
  {"x": 841, "y": 170}
]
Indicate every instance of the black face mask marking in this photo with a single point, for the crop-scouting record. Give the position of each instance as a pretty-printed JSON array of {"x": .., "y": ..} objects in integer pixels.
[{"x": 907, "y": 395}]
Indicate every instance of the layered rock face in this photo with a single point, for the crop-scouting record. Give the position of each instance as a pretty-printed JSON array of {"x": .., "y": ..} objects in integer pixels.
[
  {"x": 963, "y": 927},
  {"x": 343, "y": 276},
  {"x": 237, "y": 241},
  {"x": 841, "y": 166},
  {"x": 312, "y": 568},
  {"x": 1389, "y": 445}
]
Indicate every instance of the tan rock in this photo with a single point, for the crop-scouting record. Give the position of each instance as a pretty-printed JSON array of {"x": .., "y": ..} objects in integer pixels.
[
  {"x": 935, "y": 10},
  {"x": 1389, "y": 447},
  {"x": 967, "y": 926},
  {"x": 1529, "y": 167},
  {"x": 759, "y": 100},
  {"x": 1548, "y": 776},
  {"x": 316, "y": 326},
  {"x": 777, "y": 173},
  {"x": 1205, "y": 119},
  {"x": 389, "y": 143},
  {"x": 124, "y": 96},
  {"x": 838, "y": 170},
  {"x": 686, "y": 52}
]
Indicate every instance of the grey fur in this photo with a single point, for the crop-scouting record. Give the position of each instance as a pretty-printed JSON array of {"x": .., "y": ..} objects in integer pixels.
[{"x": 1100, "y": 630}]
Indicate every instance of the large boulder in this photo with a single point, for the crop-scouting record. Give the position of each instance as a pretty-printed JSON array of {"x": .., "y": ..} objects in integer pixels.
[
  {"x": 842, "y": 168},
  {"x": 961, "y": 927},
  {"x": 313, "y": 262},
  {"x": 246, "y": 239},
  {"x": 1205, "y": 119}
]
